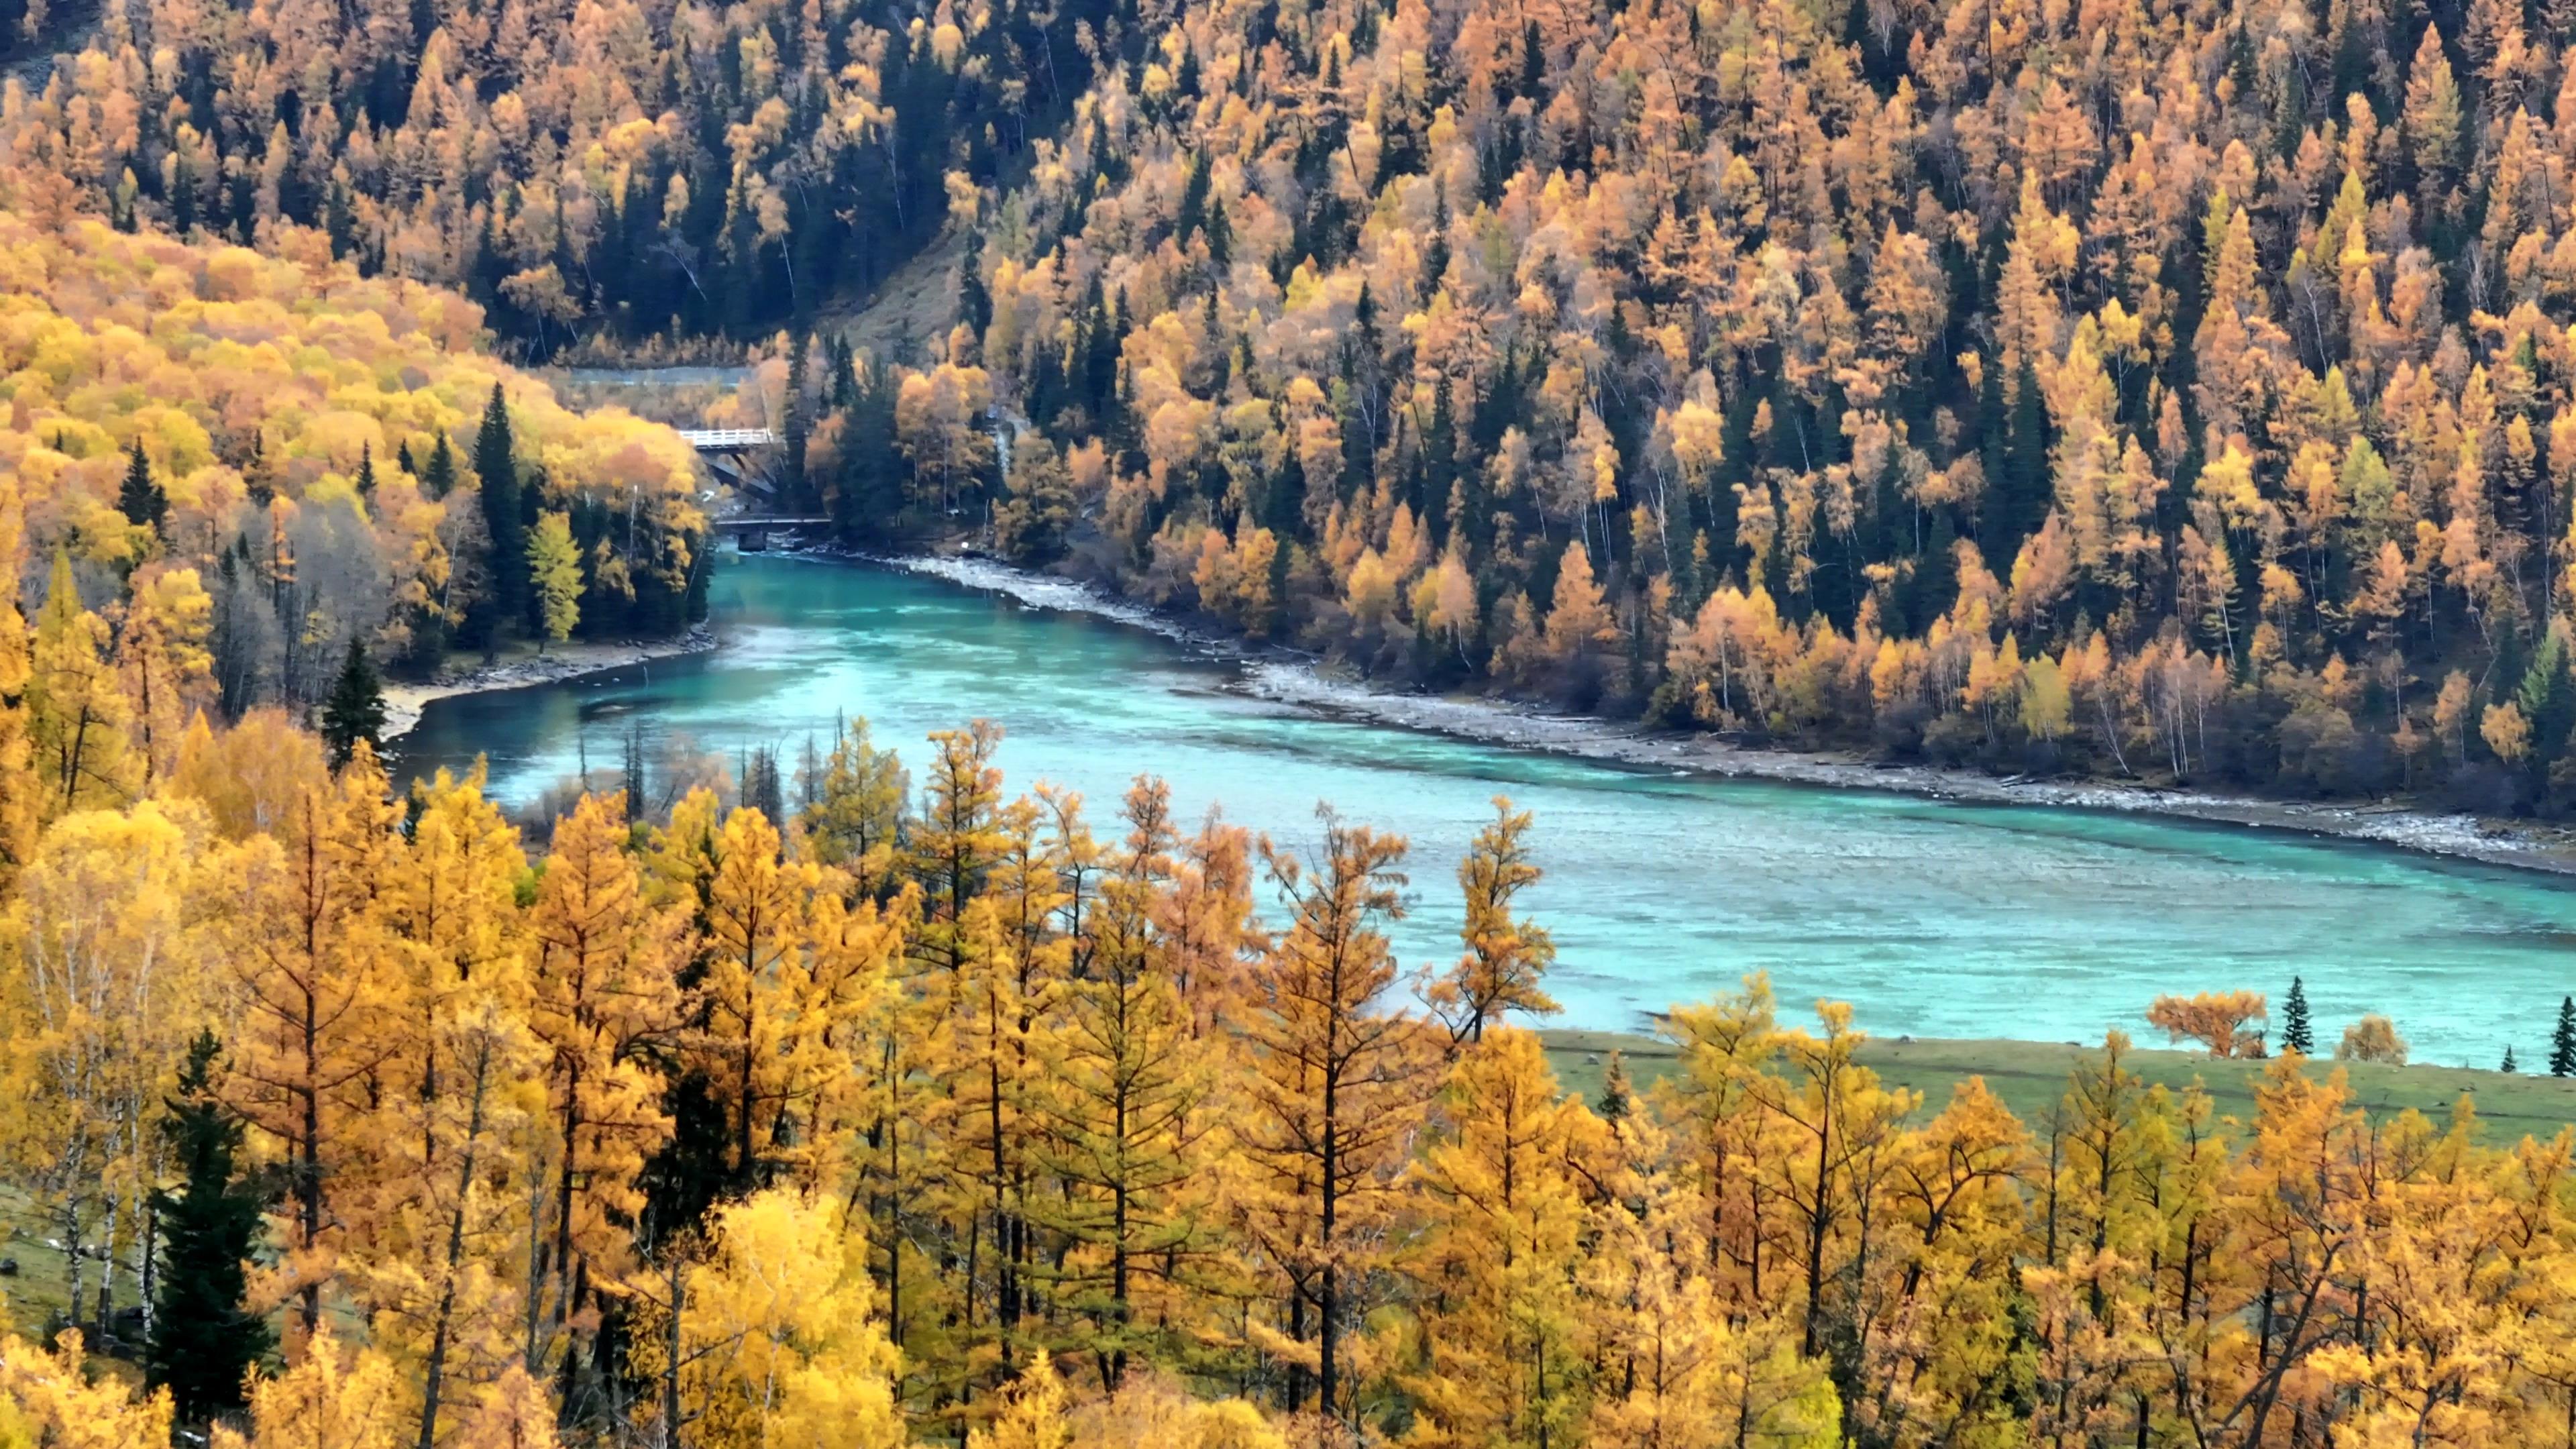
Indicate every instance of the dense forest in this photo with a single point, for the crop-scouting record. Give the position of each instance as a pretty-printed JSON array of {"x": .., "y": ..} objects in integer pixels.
[
  {"x": 221, "y": 470},
  {"x": 613, "y": 173},
  {"x": 2176, "y": 391},
  {"x": 888, "y": 1109},
  {"x": 2182, "y": 390},
  {"x": 2164, "y": 390}
]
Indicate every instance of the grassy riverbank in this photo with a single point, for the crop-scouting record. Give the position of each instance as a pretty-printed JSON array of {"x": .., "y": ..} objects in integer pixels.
[{"x": 2030, "y": 1077}]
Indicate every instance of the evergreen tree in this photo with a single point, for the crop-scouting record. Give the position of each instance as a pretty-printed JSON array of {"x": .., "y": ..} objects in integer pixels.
[
  {"x": 366, "y": 480},
  {"x": 356, "y": 709},
  {"x": 631, "y": 775},
  {"x": 2509, "y": 1065},
  {"x": 868, "y": 497},
  {"x": 2296, "y": 1034},
  {"x": 1616, "y": 1092},
  {"x": 1220, "y": 236},
  {"x": 496, "y": 467},
  {"x": 203, "y": 1339},
  {"x": 760, "y": 785},
  {"x": 256, "y": 478},
  {"x": 797, "y": 428},
  {"x": 141, "y": 498},
  {"x": 440, "y": 479},
  {"x": 2562, "y": 1042}
]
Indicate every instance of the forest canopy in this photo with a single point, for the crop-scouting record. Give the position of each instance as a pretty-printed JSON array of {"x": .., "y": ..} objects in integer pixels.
[
  {"x": 2172, "y": 390},
  {"x": 238, "y": 464},
  {"x": 2182, "y": 390},
  {"x": 897, "y": 1110}
]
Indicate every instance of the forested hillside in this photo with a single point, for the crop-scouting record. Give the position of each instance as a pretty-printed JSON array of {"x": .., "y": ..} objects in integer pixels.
[
  {"x": 619, "y": 172},
  {"x": 2176, "y": 390},
  {"x": 914, "y": 1113},
  {"x": 2172, "y": 389},
  {"x": 220, "y": 471},
  {"x": 2161, "y": 390}
]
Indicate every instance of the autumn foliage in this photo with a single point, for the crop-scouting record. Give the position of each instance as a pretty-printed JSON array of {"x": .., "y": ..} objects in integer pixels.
[
  {"x": 2132, "y": 388},
  {"x": 2215, "y": 1019},
  {"x": 908, "y": 1118},
  {"x": 302, "y": 440}
]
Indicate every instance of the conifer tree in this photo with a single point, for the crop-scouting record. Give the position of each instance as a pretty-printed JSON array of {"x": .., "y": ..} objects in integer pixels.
[
  {"x": 857, "y": 807},
  {"x": 356, "y": 709},
  {"x": 867, "y": 496},
  {"x": 496, "y": 468},
  {"x": 440, "y": 479},
  {"x": 366, "y": 479},
  {"x": 2296, "y": 1033},
  {"x": 203, "y": 1339},
  {"x": 141, "y": 499},
  {"x": 2562, "y": 1042},
  {"x": 2509, "y": 1064},
  {"x": 259, "y": 481},
  {"x": 1618, "y": 1094},
  {"x": 797, "y": 428},
  {"x": 1335, "y": 1090},
  {"x": 1506, "y": 955},
  {"x": 314, "y": 1009},
  {"x": 1122, "y": 1092}
]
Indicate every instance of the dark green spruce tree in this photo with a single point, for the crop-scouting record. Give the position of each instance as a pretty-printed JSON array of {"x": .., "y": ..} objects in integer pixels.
[
  {"x": 2510, "y": 1066},
  {"x": 868, "y": 496},
  {"x": 797, "y": 428},
  {"x": 2562, "y": 1042},
  {"x": 203, "y": 1339},
  {"x": 356, "y": 709},
  {"x": 496, "y": 468},
  {"x": 2296, "y": 1034},
  {"x": 440, "y": 479},
  {"x": 140, "y": 498}
]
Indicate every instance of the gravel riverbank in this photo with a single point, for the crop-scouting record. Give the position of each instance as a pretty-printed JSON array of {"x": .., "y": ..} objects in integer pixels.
[
  {"x": 1279, "y": 675},
  {"x": 404, "y": 702}
]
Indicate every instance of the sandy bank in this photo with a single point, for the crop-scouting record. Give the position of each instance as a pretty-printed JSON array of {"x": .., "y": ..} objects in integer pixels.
[
  {"x": 1276, "y": 675},
  {"x": 404, "y": 702}
]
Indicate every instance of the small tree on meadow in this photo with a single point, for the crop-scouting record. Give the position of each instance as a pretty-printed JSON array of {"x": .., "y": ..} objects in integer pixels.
[
  {"x": 2215, "y": 1019},
  {"x": 2296, "y": 1033},
  {"x": 2374, "y": 1038}
]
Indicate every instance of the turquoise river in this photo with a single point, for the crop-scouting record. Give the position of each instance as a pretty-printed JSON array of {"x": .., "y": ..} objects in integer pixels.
[{"x": 1934, "y": 919}]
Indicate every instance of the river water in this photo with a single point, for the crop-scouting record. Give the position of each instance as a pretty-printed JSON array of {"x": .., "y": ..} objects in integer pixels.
[{"x": 1934, "y": 919}]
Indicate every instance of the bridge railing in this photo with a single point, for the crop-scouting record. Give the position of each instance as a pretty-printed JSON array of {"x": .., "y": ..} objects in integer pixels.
[{"x": 720, "y": 439}]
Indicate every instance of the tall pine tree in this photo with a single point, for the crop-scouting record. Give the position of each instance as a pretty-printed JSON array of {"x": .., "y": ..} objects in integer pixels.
[
  {"x": 441, "y": 477},
  {"x": 356, "y": 709},
  {"x": 203, "y": 1339},
  {"x": 140, "y": 499},
  {"x": 2562, "y": 1042},
  {"x": 496, "y": 468}
]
